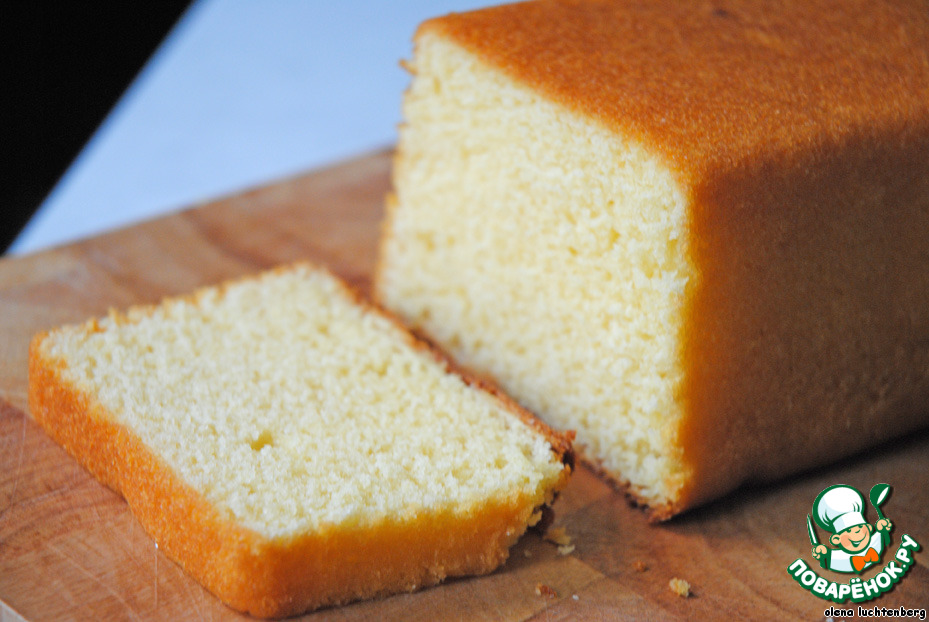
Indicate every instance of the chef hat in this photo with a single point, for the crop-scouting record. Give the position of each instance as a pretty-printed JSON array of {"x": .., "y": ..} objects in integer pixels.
[{"x": 839, "y": 507}]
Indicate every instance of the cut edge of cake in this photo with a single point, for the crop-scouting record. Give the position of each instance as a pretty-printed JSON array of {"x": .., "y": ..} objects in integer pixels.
[
  {"x": 650, "y": 467},
  {"x": 282, "y": 576}
]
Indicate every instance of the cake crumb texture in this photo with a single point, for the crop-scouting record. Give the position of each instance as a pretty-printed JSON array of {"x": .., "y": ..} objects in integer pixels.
[{"x": 292, "y": 446}]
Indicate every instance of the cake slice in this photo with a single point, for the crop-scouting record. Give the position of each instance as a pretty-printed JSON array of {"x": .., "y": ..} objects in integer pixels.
[
  {"x": 291, "y": 446},
  {"x": 695, "y": 232}
]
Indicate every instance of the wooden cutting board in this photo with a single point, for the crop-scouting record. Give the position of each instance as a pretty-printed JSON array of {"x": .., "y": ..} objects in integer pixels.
[{"x": 69, "y": 548}]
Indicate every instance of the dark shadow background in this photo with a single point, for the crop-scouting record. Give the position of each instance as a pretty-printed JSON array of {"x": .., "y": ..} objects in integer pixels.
[{"x": 65, "y": 65}]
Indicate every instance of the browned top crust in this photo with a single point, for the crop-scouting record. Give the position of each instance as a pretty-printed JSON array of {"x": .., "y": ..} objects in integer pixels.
[{"x": 711, "y": 84}]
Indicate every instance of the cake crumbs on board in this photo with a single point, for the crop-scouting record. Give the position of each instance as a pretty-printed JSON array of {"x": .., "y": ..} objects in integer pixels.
[
  {"x": 558, "y": 535},
  {"x": 545, "y": 590},
  {"x": 679, "y": 587}
]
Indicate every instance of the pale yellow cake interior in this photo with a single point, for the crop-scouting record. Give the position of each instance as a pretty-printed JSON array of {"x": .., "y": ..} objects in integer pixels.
[
  {"x": 293, "y": 408},
  {"x": 514, "y": 216}
]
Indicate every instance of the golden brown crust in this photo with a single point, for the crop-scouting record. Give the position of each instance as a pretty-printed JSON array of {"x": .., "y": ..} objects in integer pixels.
[
  {"x": 274, "y": 578},
  {"x": 709, "y": 84}
]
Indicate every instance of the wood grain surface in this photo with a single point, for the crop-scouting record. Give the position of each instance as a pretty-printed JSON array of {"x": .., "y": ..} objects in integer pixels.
[{"x": 70, "y": 549}]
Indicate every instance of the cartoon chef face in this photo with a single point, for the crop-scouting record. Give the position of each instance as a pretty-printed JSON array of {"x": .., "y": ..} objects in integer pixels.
[{"x": 853, "y": 539}]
